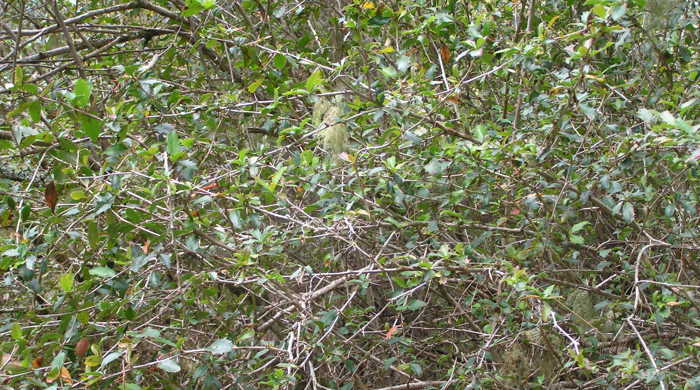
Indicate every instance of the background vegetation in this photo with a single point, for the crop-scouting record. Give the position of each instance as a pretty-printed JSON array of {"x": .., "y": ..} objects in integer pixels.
[{"x": 349, "y": 194}]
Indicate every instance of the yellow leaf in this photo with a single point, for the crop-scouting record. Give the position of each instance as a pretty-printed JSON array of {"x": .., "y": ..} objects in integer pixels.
[
  {"x": 596, "y": 78},
  {"x": 368, "y": 5},
  {"x": 65, "y": 375},
  {"x": 386, "y": 50},
  {"x": 92, "y": 361},
  {"x": 552, "y": 21}
]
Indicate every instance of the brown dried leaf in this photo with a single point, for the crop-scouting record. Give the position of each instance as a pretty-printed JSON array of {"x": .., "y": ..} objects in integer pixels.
[
  {"x": 6, "y": 361},
  {"x": 51, "y": 196},
  {"x": 445, "y": 54},
  {"x": 82, "y": 346},
  {"x": 65, "y": 375},
  {"x": 454, "y": 99}
]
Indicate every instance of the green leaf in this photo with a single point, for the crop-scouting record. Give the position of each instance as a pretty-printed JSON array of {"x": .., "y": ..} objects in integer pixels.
[
  {"x": 92, "y": 360},
  {"x": 110, "y": 358},
  {"x": 576, "y": 228},
  {"x": 548, "y": 291},
  {"x": 169, "y": 365},
  {"x": 16, "y": 332},
  {"x": 280, "y": 61},
  {"x": 30, "y": 88},
  {"x": 328, "y": 317},
  {"x": 149, "y": 332},
  {"x": 378, "y": 21},
  {"x": 34, "y": 109},
  {"x": 648, "y": 116},
  {"x": 590, "y": 112},
  {"x": 417, "y": 369},
  {"x": 668, "y": 118},
  {"x": 628, "y": 212},
  {"x": 58, "y": 360},
  {"x": 314, "y": 81},
  {"x": 187, "y": 168},
  {"x": 18, "y": 78},
  {"x": 21, "y": 132},
  {"x": 66, "y": 282},
  {"x": 173, "y": 145},
  {"x": 576, "y": 239},
  {"x": 618, "y": 12},
  {"x": 92, "y": 233},
  {"x": 247, "y": 335},
  {"x": 255, "y": 85},
  {"x": 403, "y": 63},
  {"x": 102, "y": 272},
  {"x": 388, "y": 362},
  {"x": 221, "y": 346},
  {"x": 91, "y": 126},
  {"x": 82, "y": 89},
  {"x": 103, "y": 202},
  {"x": 207, "y": 4},
  {"x": 414, "y": 305},
  {"x": 435, "y": 166},
  {"x": 599, "y": 10},
  {"x": 389, "y": 72},
  {"x": 479, "y": 132},
  {"x": 78, "y": 195},
  {"x": 193, "y": 8},
  {"x": 26, "y": 211}
]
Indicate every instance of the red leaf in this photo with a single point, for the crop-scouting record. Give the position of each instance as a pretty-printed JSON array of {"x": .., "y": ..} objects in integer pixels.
[
  {"x": 210, "y": 186},
  {"x": 82, "y": 347},
  {"x": 391, "y": 331},
  {"x": 51, "y": 196}
]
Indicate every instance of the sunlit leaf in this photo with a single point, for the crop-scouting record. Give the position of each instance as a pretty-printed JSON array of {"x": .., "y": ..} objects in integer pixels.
[
  {"x": 66, "y": 282},
  {"x": 169, "y": 365},
  {"x": 102, "y": 272},
  {"x": 221, "y": 346},
  {"x": 173, "y": 145},
  {"x": 82, "y": 90},
  {"x": 313, "y": 81}
]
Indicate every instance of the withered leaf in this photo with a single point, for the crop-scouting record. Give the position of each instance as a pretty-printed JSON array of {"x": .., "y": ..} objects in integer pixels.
[
  {"x": 51, "y": 196},
  {"x": 81, "y": 347},
  {"x": 445, "y": 54}
]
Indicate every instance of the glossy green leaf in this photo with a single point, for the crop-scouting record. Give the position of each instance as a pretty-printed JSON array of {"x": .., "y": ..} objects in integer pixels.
[
  {"x": 221, "y": 346},
  {"x": 173, "y": 145},
  {"x": 102, "y": 272},
  {"x": 82, "y": 90},
  {"x": 314, "y": 80},
  {"x": 169, "y": 365}
]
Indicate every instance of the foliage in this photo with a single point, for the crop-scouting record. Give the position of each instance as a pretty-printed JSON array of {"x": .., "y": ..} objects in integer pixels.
[{"x": 349, "y": 194}]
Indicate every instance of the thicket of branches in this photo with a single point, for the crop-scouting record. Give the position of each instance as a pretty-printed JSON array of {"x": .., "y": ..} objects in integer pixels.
[{"x": 349, "y": 194}]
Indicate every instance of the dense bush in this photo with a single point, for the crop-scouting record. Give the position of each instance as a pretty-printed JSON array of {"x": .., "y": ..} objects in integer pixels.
[{"x": 349, "y": 194}]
